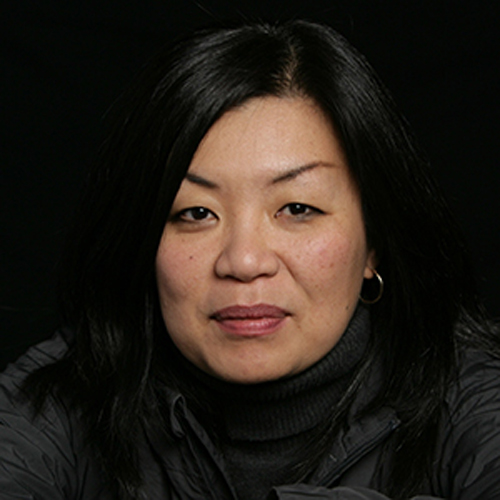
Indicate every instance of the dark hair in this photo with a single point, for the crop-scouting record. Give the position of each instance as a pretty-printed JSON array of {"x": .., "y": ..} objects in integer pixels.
[{"x": 109, "y": 294}]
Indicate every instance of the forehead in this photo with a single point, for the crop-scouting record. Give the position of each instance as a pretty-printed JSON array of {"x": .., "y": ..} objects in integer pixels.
[{"x": 268, "y": 136}]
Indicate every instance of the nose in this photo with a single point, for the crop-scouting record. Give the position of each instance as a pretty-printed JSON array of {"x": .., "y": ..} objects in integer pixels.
[{"x": 246, "y": 255}]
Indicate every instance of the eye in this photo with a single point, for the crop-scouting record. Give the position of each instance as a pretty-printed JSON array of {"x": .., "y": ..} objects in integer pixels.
[
  {"x": 194, "y": 214},
  {"x": 298, "y": 210}
]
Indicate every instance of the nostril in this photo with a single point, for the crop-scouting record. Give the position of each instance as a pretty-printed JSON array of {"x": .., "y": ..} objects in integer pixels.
[{"x": 246, "y": 261}]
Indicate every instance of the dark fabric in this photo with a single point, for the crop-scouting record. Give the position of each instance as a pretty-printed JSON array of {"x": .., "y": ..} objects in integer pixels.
[
  {"x": 286, "y": 407},
  {"x": 266, "y": 427},
  {"x": 46, "y": 458}
]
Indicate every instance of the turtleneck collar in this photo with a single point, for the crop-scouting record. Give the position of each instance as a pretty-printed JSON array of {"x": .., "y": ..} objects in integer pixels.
[{"x": 286, "y": 407}]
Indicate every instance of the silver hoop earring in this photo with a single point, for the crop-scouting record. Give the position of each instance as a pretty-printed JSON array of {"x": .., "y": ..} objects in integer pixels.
[{"x": 380, "y": 290}]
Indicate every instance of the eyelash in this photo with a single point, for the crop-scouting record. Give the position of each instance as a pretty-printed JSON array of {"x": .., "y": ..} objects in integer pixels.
[
  {"x": 305, "y": 211},
  {"x": 182, "y": 215},
  {"x": 199, "y": 214}
]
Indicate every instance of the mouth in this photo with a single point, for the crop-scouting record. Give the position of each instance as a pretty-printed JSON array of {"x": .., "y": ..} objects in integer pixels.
[{"x": 250, "y": 321}]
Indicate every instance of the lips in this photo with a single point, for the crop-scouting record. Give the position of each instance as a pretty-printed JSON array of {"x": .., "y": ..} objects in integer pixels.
[{"x": 250, "y": 321}]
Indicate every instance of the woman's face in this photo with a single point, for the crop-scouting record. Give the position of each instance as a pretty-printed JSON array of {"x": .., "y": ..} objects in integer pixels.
[{"x": 263, "y": 256}]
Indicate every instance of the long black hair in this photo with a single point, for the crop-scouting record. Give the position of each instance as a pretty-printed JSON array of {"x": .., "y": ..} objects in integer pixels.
[{"x": 109, "y": 294}]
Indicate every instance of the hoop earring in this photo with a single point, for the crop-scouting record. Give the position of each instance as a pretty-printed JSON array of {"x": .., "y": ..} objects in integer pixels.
[{"x": 380, "y": 290}]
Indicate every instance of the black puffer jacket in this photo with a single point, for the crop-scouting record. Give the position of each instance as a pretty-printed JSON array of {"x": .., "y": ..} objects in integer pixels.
[{"x": 46, "y": 459}]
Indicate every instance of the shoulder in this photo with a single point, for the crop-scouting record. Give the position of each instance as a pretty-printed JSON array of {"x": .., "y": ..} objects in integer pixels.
[
  {"x": 39, "y": 355},
  {"x": 40, "y": 455},
  {"x": 472, "y": 404},
  {"x": 470, "y": 439},
  {"x": 13, "y": 398},
  {"x": 477, "y": 382}
]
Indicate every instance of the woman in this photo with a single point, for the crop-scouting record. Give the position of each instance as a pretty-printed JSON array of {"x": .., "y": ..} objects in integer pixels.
[{"x": 265, "y": 295}]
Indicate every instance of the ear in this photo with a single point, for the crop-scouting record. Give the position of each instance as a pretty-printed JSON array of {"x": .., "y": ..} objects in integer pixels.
[{"x": 371, "y": 264}]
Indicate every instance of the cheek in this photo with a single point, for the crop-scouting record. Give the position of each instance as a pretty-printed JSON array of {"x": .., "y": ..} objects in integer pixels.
[
  {"x": 177, "y": 272},
  {"x": 331, "y": 260}
]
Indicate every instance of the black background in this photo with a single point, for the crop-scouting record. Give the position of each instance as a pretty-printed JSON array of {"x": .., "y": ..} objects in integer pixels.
[{"x": 65, "y": 61}]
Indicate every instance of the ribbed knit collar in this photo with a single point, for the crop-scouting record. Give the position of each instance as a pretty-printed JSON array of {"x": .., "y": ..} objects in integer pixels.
[{"x": 286, "y": 407}]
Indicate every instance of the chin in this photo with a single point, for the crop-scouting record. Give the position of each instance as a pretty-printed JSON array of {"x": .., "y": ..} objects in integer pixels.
[{"x": 249, "y": 375}]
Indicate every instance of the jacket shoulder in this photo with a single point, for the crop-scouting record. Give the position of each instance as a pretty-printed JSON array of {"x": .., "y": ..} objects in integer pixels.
[
  {"x": 40, "y": 454},
  {"x": 37, "y": 356},
  {"x": 477, "y": 383},
  {"x": 470, "y": 445}
]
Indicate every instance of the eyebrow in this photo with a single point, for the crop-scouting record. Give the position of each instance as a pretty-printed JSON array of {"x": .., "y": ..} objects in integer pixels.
[
  {"x": 200, "y": 181},
  {"x": 293, "y": 173},
  {"x": 287, "y": 175}
]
